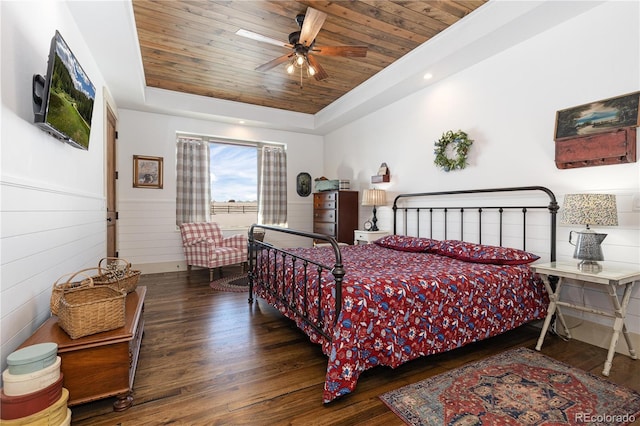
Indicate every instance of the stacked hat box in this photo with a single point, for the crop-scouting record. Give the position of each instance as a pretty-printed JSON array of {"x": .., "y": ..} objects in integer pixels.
[{"x": 33, "y": 392}]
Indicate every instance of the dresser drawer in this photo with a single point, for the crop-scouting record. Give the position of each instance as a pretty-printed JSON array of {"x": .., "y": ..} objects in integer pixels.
[
  {"x": 325, "y": 196},
  {"x": 324, "y": 216},
  {"x": 325, "y": 229},
  {"x": 324, "y": 200},
  {"x": 324, "y": 205}
]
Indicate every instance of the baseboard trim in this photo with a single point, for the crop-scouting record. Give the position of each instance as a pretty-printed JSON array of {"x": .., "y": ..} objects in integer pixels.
[{"x": 157, "y": 268}]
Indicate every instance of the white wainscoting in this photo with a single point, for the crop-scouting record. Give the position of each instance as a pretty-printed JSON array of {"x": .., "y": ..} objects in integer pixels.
[
  {"x": 46, "y": 233},
  {"x": 149, "y": 238}
]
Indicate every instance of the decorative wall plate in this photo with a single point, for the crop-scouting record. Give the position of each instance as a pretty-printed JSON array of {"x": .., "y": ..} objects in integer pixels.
[{"x": 303, "y": 184}]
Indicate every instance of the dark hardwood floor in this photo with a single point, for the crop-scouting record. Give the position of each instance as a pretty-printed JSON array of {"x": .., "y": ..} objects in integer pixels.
[{"x": 208, "y": 358}]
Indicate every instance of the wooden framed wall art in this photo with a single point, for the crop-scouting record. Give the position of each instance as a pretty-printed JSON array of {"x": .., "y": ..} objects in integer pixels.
[
  {"x": 598, "y": 133},
  {"x": 147, "y": 172}
]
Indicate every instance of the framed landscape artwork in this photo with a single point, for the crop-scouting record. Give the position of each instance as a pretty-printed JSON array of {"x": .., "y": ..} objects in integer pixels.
[
  {"x": 598, "y": 117},
  {"x": 147, "y": 172}
]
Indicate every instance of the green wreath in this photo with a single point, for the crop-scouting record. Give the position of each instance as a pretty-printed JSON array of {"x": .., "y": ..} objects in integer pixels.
[{"x": 461, "y": 143}]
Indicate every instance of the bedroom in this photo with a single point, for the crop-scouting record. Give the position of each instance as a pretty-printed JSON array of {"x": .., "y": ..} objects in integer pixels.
[{"x": 536, "y": 77}]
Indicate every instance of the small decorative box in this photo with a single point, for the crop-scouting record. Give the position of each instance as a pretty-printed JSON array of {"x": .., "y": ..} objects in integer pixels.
[
  {"x": 56, "y": 414},
  {"x": 15, "y": 407},
  {"x": 22, "y": 384},
  {"x": 32, "y": 358},
  {"x": 327, "y": 185}
]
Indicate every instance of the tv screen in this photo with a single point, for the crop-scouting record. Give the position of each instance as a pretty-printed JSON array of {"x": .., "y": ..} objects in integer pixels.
[{"x": 63, "y": 99}]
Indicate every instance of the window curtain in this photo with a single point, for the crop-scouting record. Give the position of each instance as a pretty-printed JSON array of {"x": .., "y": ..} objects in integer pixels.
[
  {"x": 272, "y": 206},
  {"x": 193, "y": 181}
]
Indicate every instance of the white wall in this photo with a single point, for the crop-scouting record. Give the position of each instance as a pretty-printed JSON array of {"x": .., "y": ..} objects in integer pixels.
[
  {"x": 507, "y": 104},
  {"x": 147, "y": 234},
  {"x": 52, "y": 195}
]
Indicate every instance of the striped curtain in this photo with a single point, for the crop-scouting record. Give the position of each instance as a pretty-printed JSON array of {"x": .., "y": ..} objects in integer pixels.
[
  {"x": 272, "y": 207},
  {"x": 193, "y": 193}
]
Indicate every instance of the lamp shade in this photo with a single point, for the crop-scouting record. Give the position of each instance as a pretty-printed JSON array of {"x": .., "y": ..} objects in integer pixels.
[
  {"x": 374, "y": 197},
  {"x": 589, "y": 209}
]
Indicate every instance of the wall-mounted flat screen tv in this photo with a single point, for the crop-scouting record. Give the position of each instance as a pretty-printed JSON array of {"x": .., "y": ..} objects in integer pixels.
[{"x": 63, "y": 99}]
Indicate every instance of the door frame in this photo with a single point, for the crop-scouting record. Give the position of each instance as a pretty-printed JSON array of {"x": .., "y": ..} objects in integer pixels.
[{"x": 111, "y": 176}]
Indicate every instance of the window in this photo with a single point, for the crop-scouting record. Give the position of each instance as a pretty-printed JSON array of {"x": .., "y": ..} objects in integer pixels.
[{"x": 232, "y": 183}]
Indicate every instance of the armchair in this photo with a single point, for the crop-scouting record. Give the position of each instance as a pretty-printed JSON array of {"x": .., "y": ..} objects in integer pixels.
[{"x": 205, "y": 246}]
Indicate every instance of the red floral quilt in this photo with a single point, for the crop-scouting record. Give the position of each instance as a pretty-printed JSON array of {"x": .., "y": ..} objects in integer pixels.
[{"x": 399, "y": 305}]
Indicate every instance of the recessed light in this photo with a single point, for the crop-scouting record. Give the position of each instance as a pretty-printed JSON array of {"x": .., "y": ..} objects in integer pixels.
[
  {"x": 241, "y": 121},
  {"x": 428, "y": 76}
]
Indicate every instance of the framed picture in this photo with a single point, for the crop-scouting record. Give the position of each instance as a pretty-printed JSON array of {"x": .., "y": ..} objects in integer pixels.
[
  {"x": 303, "y": 184},
  {"x": 598, "y": 117},
  {"x": 147, "y": 172}
]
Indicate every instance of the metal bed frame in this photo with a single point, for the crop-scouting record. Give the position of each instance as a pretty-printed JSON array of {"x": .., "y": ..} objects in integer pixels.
[{"x": 269, "y": 273}]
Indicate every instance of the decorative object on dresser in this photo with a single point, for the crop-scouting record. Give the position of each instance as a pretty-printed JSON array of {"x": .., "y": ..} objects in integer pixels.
[
  {"x": 374, "y": 197},
  {"x": 589, "y": 209},
  {"x": 324, "y": 184},
  {"x": 448, "y": 143},
  {"x": 598, "y": 133},
  {"x": 335, "y": 213},
  {"x": 101, "y": 365}
]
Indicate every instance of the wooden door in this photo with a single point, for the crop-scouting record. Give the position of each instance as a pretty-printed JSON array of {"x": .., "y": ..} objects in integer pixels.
[{"x": 111, "y": 176}]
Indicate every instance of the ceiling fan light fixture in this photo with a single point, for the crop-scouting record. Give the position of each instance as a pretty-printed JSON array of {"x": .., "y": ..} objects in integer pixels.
[
  {"x": 300, "y": 59},
  {"x": 312, "y": 71},
  {"x": 290, "y": 68}
]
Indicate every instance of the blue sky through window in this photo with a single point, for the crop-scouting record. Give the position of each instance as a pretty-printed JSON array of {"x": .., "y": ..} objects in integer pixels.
[{"x": 234, "y": 172}]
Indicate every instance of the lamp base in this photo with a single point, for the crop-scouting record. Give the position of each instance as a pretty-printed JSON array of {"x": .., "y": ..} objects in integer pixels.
[
  {"x": 374, "y": 227},
  {"x": 590, "y": 266}
]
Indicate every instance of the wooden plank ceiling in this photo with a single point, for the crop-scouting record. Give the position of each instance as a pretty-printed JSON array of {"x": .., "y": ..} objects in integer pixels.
[{"x": 192, "y": 46}]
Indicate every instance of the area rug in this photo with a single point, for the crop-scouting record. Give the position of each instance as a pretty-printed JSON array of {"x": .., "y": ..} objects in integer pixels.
[
  {"x": 238, "y": 283},
  {"x": 516, "y": 387}
]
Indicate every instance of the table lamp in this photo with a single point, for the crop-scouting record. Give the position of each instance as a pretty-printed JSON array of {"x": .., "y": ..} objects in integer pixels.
[
  {"x": 374, "y": 197},
  {"x": 589, "y": 209}
]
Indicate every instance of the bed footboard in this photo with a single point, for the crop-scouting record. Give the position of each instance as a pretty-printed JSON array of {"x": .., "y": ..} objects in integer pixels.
[{"x": 274, "y": 281}]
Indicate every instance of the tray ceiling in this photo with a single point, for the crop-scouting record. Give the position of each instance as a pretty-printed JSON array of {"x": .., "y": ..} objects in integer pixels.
[{"x": 192, "y": 46}]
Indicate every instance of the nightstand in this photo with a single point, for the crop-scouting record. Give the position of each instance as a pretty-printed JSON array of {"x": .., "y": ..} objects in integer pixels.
[
  {"x": 367, "y": 237},
  {"x": 612, "y": 276}
]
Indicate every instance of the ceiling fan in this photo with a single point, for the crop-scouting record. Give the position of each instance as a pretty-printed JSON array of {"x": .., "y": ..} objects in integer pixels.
[{"x": 302, "y": 44}]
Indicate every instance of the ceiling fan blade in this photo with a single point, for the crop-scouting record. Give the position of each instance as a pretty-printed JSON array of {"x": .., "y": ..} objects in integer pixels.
[
  {"x": 320, "y": 74},
  {"x": 350, "y": 51},
  {"x": 313, "y": 21},
  {"x": 260, "y": 37},
  {"x": 274, "y": 62}
]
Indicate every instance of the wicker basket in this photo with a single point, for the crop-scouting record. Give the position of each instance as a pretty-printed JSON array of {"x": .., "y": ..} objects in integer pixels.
[
  {"x": 91, "y": 310},
  {"x": 68, "y": 282},
  {"x": 116, "y": 272}
]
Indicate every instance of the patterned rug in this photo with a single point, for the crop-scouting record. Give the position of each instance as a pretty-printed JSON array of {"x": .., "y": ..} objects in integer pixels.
[
  {"x": 238, "y": 283},
  {"x": 517, "y": 387}
]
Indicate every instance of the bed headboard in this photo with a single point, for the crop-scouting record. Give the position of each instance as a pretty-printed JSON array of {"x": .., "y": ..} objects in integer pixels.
[{"x": 490, "y": 216}]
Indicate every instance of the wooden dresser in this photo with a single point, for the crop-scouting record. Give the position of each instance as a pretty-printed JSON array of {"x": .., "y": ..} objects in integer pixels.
[
  {"x": 335, "y": 213},
  {"x": 101, "y": 365}
]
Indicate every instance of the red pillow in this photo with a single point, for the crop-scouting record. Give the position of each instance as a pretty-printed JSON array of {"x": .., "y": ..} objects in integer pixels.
[
  {"x": 406, "y": 243},
  {"x": 479, "y": 253}
]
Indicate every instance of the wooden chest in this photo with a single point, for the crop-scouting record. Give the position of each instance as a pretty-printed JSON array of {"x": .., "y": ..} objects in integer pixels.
[{"x": 101, "y": 365}]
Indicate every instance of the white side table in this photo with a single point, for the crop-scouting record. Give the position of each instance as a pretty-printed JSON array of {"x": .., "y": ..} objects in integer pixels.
[
  {"x": 612, "y": 276},
  {"x": 367, "y": 237}
]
